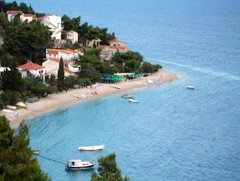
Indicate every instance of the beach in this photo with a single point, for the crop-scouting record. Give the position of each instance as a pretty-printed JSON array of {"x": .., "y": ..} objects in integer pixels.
[{"x": 81, "y": 95}]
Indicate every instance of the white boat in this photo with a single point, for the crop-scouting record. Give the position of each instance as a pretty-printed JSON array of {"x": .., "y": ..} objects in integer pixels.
[
  {"x": 21, "y": 105},
  {"x": 90, "y": 148},
  {"x": 36, "y": 152},
  {"x": 133, "y": 100},
  {"x": 79, "y": 165},
  {"x": 190, "y": 87},
  {"x": 116, "y": 87}
]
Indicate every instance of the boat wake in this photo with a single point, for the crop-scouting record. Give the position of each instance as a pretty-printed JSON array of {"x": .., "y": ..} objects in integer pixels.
[{"x": 206, "y": 70}]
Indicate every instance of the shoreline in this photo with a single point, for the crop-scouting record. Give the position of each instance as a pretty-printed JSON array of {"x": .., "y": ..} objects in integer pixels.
[{"x": 76, "y": 96}]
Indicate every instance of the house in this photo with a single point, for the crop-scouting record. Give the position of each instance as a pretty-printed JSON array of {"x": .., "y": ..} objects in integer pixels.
[
  {"x": 66, "y": 54},
  {"x": 54, "y": 23},
  {"x": 52, "y": 66},
  {"x": 11, "y": 14},
  {"x": 118, "y": 43},
  {"x": 72, "y": 36},
  {"x": 23, "y": 17},
  {"x": 92, "y": 43},
  {"x": 28, "y": 17},
  {"x": 31, "y": 69},
  {"x": 108, "y": 51}
]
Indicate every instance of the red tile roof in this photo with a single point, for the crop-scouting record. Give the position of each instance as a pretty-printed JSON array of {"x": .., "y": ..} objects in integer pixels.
[
  {"x": 30, "y": 66},
  {"x": 113, "y": 47},
  {"x": 14, "y": 12},
  {"x": 29, "y": 15},
  {"x": 58, "y": 60},
  {"x": 49, "y": 14},
  {"x": 116, "y": 40},
  {"x": 66, "y": 51},
  {"x": 70, "y": 50},
  {"x": 52, "y": 51}
]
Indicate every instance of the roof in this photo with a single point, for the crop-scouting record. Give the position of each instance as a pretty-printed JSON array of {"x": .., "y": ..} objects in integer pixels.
[
  {"x": 49, "y": 14},
  {"x": 29, "y": 15},
  {"x": 66, "y": 51},
  {"x": 14, "y": 12},
  {"x": 52, "y": 51},
  {"x": 113, "y": 47},
  {"x": 116, "y": 40},
  {"x": 30, "y": 66},
  {"x": 57, "y": 60}
]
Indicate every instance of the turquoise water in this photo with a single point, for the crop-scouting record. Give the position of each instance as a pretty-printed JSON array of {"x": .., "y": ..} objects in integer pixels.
[{"x": 174, "y": 133}]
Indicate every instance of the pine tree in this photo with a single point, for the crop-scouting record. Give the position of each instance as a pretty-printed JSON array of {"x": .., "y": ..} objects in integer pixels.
[
  {"x": 108, "y": 170},
  {"x": 16, "y": 157},
  {"x": 60, "y": 75},
  {"x": 11, "y": 80}
]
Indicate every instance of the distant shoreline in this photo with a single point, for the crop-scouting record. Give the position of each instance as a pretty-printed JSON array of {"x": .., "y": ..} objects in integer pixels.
[{"x": 76, "y": 96}]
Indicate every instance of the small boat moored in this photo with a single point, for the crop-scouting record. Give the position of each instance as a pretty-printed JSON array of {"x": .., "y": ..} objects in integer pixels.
[
  {"x": 191, "y": 87},
  {"x": 36, "y": 152},
  {"x": 127, "y": 96},
  {"x": 79, "y": 165},
  {"x": 133, "y": 100},
  {"x": 90, "y": 148}
]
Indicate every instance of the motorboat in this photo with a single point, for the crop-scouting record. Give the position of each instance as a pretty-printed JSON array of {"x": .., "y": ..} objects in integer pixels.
[
  {"x": 127, "y": 96},
  {"x": 79, "y": 165},
  {"x": 90, "y": 148},
  {"x": 116, "y": 87},
  {"x": 36, "y": 152},
  {"x": 133, "y": 100},
  {"x": 191, "y": 87}
]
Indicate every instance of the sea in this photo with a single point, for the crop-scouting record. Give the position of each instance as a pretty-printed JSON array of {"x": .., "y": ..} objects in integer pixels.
[{"x": 173, "y": 133}]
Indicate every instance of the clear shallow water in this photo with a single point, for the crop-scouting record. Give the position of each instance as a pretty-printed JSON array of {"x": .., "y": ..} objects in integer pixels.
[{"x": 174, "y": 133}]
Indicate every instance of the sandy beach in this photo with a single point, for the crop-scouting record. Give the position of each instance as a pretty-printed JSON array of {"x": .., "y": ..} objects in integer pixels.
[{"x": 75, "y": 96}]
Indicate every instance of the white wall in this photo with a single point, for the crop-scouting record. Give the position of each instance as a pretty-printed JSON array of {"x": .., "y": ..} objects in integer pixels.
[{"x": 54, "y": 23}]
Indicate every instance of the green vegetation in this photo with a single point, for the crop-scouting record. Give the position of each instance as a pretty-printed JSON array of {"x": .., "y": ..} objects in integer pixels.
[
  {"x": 92, "y": 66},
  {"x": 86, "y": 31},
  {"x": 60, "y": 75},
  {"x": 16, "y": 157},
  {"x": 12, "y": 81},
  {"x": 27, "y": 41},
  {"x": 131, "y": 61},
  {"x": 150, "y": 68},
  {"x": 35, "y": 87},
  {"x": 4, "y": 7},
  {"x": 23, "y": 41},
  {"x": 108, "y": 170}
]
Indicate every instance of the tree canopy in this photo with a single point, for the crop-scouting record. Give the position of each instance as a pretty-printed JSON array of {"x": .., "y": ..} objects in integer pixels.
[
  {"x": 86, "y": 31},
  {"x": 26, "y": 41},
  {"x": 108, "y": 170},
  {"x": 4, "y": 7},
  {"x": 12, "y": 81},
  {"x": 131, "y": 61},
  {"x": 16, "y": 157},
  {"x": 60, "y": 75}
]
